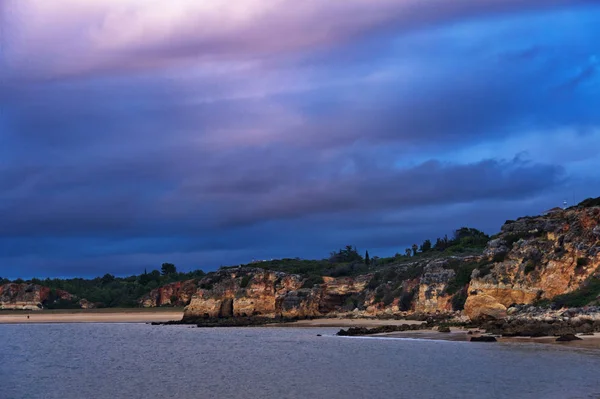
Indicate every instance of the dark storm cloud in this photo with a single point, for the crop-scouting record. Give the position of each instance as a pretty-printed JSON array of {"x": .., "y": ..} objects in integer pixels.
[{"x": 284, "y": 141}]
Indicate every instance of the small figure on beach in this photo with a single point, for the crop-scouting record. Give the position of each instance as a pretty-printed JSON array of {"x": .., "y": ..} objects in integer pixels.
[{"x": 27, "y": 317}]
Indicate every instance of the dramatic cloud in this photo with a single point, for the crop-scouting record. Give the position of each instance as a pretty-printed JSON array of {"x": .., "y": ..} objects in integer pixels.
[{"x": 133, "y": 133}]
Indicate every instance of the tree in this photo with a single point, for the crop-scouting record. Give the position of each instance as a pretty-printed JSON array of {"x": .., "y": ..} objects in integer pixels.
[
  {"x": 426, "y": 246},
  {"x": 367, "y": 259},
  {"x": 348, "y": 254},
  {"x": 415, "y": 247},
  {"x": 107, "y": 279},
  {"x": 408, "y": 252},
  {"x": 168, "y": 268}
]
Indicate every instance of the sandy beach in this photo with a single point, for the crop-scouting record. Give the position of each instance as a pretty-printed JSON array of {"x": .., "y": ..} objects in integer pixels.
[{"x": 91, "y": 316}]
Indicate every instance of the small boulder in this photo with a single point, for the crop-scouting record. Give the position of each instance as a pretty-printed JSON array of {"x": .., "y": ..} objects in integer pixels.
[
  {"x": 444, "y": 329},
  {"x": 512, "y": 310}
]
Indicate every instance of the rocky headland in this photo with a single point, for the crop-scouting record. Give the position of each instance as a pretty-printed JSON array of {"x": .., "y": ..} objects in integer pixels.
[
  {"x": 538, "y": 275},
  {"x": 549, "y": 261}
]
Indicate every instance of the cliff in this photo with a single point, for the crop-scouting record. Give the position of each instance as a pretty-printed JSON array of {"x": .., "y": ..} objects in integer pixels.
[
  {"x": 252, "y": 292},
  {"x": 175, "y": 294},
  {"x": 28, "y": 296},
  {"x": 532, "y": 259},
  {"x": 535, "y": 259}
]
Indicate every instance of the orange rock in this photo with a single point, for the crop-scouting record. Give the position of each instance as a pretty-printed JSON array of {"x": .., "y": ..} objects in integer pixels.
[{"x": 484, "y": 306}]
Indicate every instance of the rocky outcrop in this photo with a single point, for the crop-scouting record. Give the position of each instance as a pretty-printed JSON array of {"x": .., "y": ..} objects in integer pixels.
[
  {"x": 432, "y": 296},
  {"x": 536, "y": 258},
  {"x": 532, "y": 259},
  {"x": 29, "y": 296},
  {"x": 251, "y": 292},
  {"x": 174, "y": 294},
  {"x": 484, "y": 306}
]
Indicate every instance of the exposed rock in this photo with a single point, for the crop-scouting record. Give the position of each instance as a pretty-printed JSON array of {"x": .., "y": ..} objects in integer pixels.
[
  {"x": 245, "y": 292},
  {"x": 533, "y": 258},
  {"x": 542, "y": 259},
  {"x": 567, "y": 338},
  {"x": 29, "y": 296},
  {"x": 358, "y": 331},
  {"x": 484, "y": 306},
  {"x": 85, "y": 304},
  {"x": 444, "y": 329},
  {"x": 173, "y": 294},
  {"x": 432, "y": 295}
]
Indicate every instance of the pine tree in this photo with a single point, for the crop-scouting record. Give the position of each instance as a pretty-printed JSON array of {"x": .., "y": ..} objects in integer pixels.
[{"x": 367, "y": 259}]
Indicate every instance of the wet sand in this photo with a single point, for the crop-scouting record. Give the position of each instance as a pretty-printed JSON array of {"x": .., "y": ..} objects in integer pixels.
[
  {"x": 587, "y": 341},
  {"x": 347, "y": 323},
  {"x": 91, "y": 316}
]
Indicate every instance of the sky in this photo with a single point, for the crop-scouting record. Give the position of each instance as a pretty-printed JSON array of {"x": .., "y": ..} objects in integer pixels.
[{"x": 204, "y": 134}]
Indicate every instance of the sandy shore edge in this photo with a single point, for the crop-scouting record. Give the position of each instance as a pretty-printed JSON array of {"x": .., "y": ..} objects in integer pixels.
[
  {"x": 121, "y": 316},
  {"x": 459, "y": 335}
]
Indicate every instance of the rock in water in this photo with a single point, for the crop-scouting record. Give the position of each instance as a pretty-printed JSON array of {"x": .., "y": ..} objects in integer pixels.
[
  {"x": 568, "y": 338},
  {"x": 484, "y": 338}
]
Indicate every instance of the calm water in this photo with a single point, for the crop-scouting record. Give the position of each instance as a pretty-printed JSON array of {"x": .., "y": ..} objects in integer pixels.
[{"x": 77, "y": 361}]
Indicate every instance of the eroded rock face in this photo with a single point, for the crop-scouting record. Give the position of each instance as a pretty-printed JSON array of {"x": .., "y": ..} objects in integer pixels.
[
  {"x": 432, "y": 295},
  {"x": 547, "y": 256},
  {"x": 532, "y": 258},
  {"x": 245, "y": 292},
  {"x": 484, "y": 306},
  {"x": 27, "y": 296},
  {"x": 174, "y": 294}
]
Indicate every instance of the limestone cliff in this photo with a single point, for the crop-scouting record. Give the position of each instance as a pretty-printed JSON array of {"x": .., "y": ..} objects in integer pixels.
[
  {"x": 535, "y": 258},
  {"x": 531, "y": 259},
  {"x": 28, "y": 296},
  {"x": 245, "y": 292},
  {"x": 174, "y": 294},
  {"x": 432, "y": 289}
]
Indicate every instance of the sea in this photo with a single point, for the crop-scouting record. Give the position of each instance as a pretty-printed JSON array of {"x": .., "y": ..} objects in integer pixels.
[{"x": 111, "y": 361}]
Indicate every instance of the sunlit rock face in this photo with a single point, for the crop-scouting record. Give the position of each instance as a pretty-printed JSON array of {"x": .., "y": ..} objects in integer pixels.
[
  {"x": 246, "y": 292},
  {"x": 541, "y": 257},
  {"x": 27, "y": 296},
  {"x": 432, "y": 296}
]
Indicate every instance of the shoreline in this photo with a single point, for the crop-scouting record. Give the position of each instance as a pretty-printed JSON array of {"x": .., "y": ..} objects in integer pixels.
[
  {"x": 459, "y": 335},
  {"x": 345, "y": 323},
  {"x": 117, "y": 315}
]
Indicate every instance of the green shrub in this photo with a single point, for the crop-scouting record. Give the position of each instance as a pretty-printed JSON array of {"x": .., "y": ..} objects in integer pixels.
[
  {"x": 379, "y": 294},
  {"x": 581, "y": 262},
  {"x": 499, "y": 257},
  {"x": 458, "y": 300},
  {"x": 512, "y": 238},
  {"x": 245, "y": 281},
  {"x": 529, "y": 266},
  {"x": 388, "y": 298},
  {"x": 462, "y": 277},
  {"x": 587, "y": 293},
  {"x": 375, "y": 281},
  {"x": 406, "y": 299},
  {"x": 588, "y": 203},
  {"x": 312, "y": 280}
]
